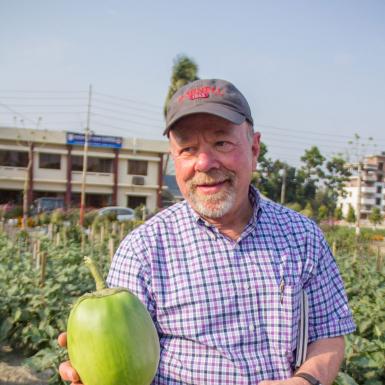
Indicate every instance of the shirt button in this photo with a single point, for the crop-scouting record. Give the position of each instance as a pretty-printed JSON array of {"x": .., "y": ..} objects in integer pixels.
[
  {"x": 246, "y": 286},
  {"x": 251, "y": 327}
]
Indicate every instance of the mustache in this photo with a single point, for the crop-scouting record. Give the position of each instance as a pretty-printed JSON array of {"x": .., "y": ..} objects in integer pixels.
[{"x": 211, "y": 177}]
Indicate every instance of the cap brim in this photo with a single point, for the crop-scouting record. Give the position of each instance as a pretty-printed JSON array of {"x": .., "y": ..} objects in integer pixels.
[{"x": 212, "y": 109}]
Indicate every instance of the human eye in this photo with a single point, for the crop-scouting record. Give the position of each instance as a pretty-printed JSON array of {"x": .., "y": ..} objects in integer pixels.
[
  {"x": 224, "y": 146},
  {"x": 187, "y": 150}
]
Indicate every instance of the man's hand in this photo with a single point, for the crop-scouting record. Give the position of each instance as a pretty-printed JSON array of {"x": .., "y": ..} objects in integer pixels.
[
  {"x": 323, "y": 360},
  {"x": 67, "y": 372}
]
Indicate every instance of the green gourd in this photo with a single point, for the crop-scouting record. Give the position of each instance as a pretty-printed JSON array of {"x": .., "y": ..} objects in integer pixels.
[{"x": 111, "y": 337}]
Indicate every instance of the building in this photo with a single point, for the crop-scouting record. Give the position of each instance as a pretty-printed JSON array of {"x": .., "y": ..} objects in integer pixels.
[
  {"x": 120, "y": 171},
  {"x": 372, "y": 187}
]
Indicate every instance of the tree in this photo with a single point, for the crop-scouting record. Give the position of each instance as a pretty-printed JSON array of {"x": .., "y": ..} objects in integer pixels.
[
  {"x": 184, "y": 71},
  {"x": 351, "y": 216},
  {"x": 323, "y": 213},
  {"x": 268, "y": 177},
  {"x": 338, "y": 174},
  {"x": 375, "y": 216},
  {"x": 310, "y": 173},
  {"x": 294, "y": 206},
  {"x": 308, "y": 211},
  {"x": 338, "y": 214},
  {"x": 313, "y": 161}
]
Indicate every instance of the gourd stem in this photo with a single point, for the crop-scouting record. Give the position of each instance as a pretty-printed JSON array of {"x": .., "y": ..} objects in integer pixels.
[{"x": 99, "y": 281}]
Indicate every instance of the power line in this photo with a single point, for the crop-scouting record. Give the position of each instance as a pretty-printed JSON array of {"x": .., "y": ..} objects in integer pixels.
[
  {"x": 55, "y": 112},
  {"x": 131, "y": 114},
  {"x": 18, "y": 113},
  {"x": 42, "y": 91},
  {"x": 45, "y": 105},
  {"x": 122, "y": 110},
  {"x": 130, "y": 100},
  {"x": 126, "y": 120},
  {"x": 303, "y": 131},
  {"x": 121, "y": 129},
  {"x": 126, "y": 106},
  {"x": 44, "y": 97},
  {"x": 309, "y": 141}
]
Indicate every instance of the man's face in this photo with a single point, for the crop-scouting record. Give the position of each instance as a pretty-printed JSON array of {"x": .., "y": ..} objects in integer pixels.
[{"x": 214, "y": 159}]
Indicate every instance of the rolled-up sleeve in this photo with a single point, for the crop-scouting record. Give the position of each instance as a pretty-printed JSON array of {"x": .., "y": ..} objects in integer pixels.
[{"x": 329, "y": 313}]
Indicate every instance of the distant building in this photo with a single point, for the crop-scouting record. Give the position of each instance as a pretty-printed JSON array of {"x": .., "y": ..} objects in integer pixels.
[
  {"x": 120, "y": 171},
  {"x": 372, "y": 187}
]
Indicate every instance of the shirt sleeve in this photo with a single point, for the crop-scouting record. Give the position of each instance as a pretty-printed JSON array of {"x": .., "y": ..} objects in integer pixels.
[
  {"x": 329, "y": 313},
  {"x": 130, "y": 269}
]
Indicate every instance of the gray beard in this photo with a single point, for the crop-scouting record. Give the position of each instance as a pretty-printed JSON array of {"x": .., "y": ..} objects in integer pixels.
[{"x": 214, "y": 205}]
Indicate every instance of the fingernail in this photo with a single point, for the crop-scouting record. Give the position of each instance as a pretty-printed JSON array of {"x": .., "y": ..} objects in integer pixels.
[{"x": 72, "y": 377}]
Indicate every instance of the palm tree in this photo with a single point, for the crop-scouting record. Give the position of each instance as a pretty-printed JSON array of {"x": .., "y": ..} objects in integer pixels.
[{"x": 184, "y": 71}]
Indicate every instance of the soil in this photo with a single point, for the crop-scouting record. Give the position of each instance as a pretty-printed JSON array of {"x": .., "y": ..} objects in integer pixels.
[{"x": 14, "y": 372}]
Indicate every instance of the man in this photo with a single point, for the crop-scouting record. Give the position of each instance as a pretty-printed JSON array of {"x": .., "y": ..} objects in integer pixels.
[{"x": 222, "y": 272}]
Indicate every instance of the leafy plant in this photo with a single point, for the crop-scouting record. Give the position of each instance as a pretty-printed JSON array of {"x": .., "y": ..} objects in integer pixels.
[{"x": 35, "y": 306}]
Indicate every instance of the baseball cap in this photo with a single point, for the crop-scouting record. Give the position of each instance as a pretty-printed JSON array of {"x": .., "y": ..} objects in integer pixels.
[{"x": 212, "y": 96}]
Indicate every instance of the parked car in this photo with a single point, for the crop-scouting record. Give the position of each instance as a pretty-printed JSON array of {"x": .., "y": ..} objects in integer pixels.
[
  {"x": 46, "y": 204},
  {"x": 120, "y": 213}
]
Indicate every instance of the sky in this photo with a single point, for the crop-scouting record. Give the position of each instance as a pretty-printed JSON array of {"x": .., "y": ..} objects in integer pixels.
[{"x": 312, "y": 71}]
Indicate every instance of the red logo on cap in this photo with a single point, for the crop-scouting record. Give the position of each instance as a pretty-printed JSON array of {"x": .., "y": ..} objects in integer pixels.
[{"x": 200, "y": 93}]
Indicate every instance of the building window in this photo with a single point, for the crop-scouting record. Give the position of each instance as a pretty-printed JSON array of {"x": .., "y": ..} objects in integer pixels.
[
  {"x": 51, "y": 161},
  {"x": 378, "y": 201},
  {"x": 379, "y": 189},
  {"x": 136, "y": 201},
  {"x": 94, "y": 164},
  {"x": 379, "y": 178},
  {"x": 13, "y": 158},
  {"x": 380, "y": 166},
  {"x": 92, "y": 200},
  {"x": 137, "y": 167}
]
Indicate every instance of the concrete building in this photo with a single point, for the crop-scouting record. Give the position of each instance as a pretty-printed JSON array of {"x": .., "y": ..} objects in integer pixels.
[
  {"x": 372, "y": 187},
  {"x": 121, "y": 171}
]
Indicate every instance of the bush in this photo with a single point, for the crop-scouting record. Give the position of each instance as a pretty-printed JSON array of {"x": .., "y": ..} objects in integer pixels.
[
  {"x": 44, "y": 218},
  {"x": 32, "y": 222},
  {"x": 294, "y": 206},
  {"x": 139, "y": 212},
  {"x": 89, "y": 218},
  {"x": 72, "y": 215},
  {"x": 57, "y": 217},
  {"x": 14, "y": 212}
]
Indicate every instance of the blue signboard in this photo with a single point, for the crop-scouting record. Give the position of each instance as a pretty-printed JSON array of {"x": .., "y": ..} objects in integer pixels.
[{"x": 94, "y": 140}]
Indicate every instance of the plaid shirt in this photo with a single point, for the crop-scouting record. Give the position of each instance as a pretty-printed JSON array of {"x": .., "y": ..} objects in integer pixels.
[{"x": 227, "y": 311}]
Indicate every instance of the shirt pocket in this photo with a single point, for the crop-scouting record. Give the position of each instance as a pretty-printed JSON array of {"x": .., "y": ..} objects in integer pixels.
[{"x": 278, "y": 291}]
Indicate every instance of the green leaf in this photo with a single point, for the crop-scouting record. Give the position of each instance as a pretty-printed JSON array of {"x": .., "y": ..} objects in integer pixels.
[
  {"x": 5, "y": 328},
  {"x": 17, "y": 315},
  {"x": 344, "y": 379}
]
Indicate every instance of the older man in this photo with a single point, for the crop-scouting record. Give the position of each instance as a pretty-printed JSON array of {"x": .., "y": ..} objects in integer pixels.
[{"x": 222, "y": 272}]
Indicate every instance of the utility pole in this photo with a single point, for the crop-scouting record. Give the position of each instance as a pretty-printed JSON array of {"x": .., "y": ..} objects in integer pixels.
[
  {"x": 85, "y": 152},
  {"x": 358, "y": 206},
  {"x": 283, "y": 187},
  {"x": 27, "y": 186}
]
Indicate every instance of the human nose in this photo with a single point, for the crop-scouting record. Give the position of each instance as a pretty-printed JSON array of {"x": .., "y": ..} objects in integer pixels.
[{"x": 206, "y": 160}]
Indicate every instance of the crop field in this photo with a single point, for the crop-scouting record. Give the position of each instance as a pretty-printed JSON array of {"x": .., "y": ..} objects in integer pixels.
[{"x": 41, "y": 274}]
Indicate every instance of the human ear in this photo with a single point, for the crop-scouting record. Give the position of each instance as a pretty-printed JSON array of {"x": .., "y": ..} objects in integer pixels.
[{"x": 255, "y": 146}]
